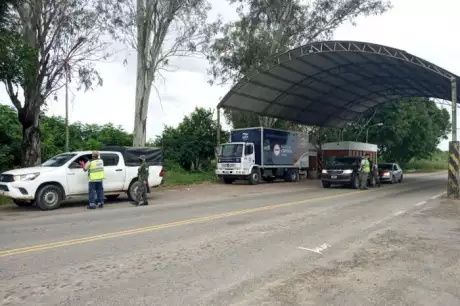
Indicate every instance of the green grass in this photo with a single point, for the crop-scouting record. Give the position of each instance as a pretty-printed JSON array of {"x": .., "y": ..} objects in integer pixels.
[
  {"x": 438, "y": 162},
  {"x": 177, "y": 177},
  {"x": 4, "y": 200}
]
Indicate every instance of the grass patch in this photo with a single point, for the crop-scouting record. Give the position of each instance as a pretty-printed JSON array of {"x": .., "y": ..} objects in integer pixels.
[
  {"x": 4, "y": 201},
  {"x": 177, "y": 177},
  {"x": 438, "y": 162}
]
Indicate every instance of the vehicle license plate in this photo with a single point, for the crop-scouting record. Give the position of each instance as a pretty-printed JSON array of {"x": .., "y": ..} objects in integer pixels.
[{"x": 333, "y": 177}]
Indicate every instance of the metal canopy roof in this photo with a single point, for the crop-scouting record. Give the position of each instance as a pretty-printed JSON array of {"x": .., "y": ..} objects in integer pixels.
[{"x": 331, "y": 83}]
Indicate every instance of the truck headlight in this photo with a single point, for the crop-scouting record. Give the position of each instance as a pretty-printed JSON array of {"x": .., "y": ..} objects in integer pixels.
[
  {"x": 348, "y": 171},
  {"x": 324, "y": 171},
  {"x": 26, "y": 177}
]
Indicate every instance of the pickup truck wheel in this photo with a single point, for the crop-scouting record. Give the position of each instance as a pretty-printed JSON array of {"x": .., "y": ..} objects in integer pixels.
[
  {"x": 132, "y": 190},
  {"x": 112, "y": 197},
  {"x": 326, "y": 184},
  {"x": 49, "y": 197},
  {"x": 254, "y": 177},
  {"x": 23, "y": 203}
]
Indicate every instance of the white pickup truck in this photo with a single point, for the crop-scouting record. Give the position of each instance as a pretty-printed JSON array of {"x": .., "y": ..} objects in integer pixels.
[{"x": 61, "y": 177}]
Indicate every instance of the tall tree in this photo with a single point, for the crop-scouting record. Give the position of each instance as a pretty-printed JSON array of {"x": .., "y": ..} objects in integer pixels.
[
  {"x": 58, "y": 35},
  {"x": 269, "y": 27},
  {"x": 193, "y": 142},
  {"x": 158, "y": 31},
  {"x": 412, "y": 128}
]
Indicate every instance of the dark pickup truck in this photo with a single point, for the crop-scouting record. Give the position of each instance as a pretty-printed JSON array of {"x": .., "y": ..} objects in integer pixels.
[{"x": 344, "y": 171}]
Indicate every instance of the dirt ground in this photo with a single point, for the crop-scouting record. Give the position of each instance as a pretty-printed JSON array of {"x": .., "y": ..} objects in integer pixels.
[{"x": 413, "y": 262}]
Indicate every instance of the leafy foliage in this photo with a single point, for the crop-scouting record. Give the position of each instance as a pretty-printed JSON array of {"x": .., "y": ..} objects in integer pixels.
[
  {"x": 82, "y": 137},
  {"x": 192, "y": 144},
  {"x": 48, "y": 42},
  {"x": 266, "y": 28},
  {"x": 412, "y": 129}
]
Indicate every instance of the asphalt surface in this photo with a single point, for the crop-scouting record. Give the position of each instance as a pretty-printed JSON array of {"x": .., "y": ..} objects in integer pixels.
[{"x": 272, "y": 244}]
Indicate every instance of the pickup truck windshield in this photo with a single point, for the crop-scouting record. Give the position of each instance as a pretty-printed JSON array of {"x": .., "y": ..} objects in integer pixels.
[
  {"x": 232, "y": 150},
  {"x": 349, "y": 161},
  {"x": 58, "y": 160}
]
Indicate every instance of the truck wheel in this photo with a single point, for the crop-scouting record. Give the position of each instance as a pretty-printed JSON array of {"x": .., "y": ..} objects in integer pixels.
[
  {"x": 326, "y": 184},
  {"x": 290, "y": 176},
  {"x": 228, "y": 180},
  {"x": 23, "y": 203},
  {"x": 355, "y": 182},
  {"x": 254, "y": 177},
  {"x": 112, "y": 197},
  {"x": 49, "y": 197}
]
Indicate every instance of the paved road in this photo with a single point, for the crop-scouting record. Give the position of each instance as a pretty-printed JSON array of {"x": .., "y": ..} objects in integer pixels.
[{"x": 290, "y": 245}]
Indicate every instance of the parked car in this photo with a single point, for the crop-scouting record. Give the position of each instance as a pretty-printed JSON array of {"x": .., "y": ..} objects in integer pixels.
[
  {"x": 61, "y": 177},
  {"x": 344, "y": 170},
  {"x": 390, "y": 173}
]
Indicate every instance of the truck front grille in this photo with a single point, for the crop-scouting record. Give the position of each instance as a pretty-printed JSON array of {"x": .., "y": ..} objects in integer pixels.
[{"x": 334, "y": 172}]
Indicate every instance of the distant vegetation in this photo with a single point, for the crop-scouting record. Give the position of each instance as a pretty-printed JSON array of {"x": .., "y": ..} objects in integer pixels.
[{"x": 439, "y": 161}]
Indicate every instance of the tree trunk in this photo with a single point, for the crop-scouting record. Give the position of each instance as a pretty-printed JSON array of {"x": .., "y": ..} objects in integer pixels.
[
  {"x": 143, "y": 90},
  {"x": 31, "y": 145}
]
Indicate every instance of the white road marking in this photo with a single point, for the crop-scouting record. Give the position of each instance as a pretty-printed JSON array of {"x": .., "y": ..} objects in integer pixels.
[
  {"x": 317, "y": 250},
  {"x": 437, "y": 196},
  {"x": 398, "y": 213},
  {"x": 420, "y": 203}
]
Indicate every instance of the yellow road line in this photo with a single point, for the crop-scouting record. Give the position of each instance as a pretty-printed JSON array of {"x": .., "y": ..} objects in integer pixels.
[
  {"x": 169, "y": 225},
  {"x": 163, "y": 226}
]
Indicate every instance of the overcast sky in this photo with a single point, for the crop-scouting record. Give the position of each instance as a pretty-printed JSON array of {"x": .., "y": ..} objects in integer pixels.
[{"x": 419, "y": 27}]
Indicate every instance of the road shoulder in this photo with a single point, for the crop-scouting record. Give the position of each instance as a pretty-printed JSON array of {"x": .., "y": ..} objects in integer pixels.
[{"x": 411, "y": 260}]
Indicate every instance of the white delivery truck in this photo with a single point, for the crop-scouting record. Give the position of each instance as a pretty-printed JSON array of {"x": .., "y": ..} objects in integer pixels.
[
  {"x": 61, "y": 177},
  {"x": 259, "y": 153}
]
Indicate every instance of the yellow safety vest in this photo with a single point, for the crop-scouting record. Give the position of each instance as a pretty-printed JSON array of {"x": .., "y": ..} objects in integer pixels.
[
  {"x": 367, "y": 166},
  {"x": 96, "y": 170}
]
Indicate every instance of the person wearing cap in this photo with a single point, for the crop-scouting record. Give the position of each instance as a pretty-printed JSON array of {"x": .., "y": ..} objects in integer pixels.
[
  {"x": 95, "y": 169},
  {"x": 143, "y": 177},
  {"x": 364, "y": 170}
]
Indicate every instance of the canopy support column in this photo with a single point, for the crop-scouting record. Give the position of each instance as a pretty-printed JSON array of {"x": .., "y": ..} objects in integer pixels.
[{"x": 454, "y": 164}]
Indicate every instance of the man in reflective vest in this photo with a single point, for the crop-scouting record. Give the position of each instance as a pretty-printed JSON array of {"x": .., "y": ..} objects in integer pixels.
[
  {"x": 365, "y": 168},
  {"x": 95, "y": 168}
]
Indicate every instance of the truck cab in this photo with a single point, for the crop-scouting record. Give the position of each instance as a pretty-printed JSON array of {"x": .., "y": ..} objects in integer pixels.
[{"x": 236, "y": 161}]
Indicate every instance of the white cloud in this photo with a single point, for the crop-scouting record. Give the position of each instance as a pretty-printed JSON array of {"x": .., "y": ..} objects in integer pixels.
[{"x": 423, "y": 28}]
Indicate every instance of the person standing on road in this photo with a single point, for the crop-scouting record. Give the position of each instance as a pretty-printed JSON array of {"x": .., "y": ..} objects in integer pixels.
[
  {"x": 143, "y": 177},
  {"x": 95, "y": 169},
  {"x": 364, "y": 170}
]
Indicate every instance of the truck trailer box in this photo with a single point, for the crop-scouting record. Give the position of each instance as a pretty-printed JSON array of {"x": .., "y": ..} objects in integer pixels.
[
  {"x": 273, "y": 147},
  {"x": 348, "y": 148}
]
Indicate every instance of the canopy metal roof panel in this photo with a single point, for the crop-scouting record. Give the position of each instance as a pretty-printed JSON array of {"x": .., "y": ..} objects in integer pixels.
[{"x": 331, "y": 83}]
